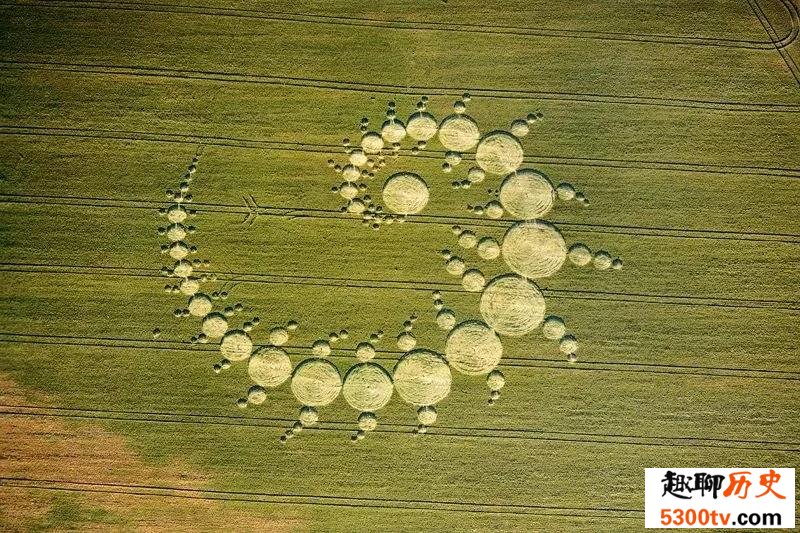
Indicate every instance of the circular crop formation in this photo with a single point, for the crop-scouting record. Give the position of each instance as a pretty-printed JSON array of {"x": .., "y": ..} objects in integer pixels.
[
  {"x": 580, "y": 255},
  {"x": 488, "y": 248},
  {"x": 527, "y": 194},
  {"x": 367, "y": 387},
  {"x": 534, "y": 249},
  {"x": 473, "y": 280},
  {"x": 372, "y": 143},
  {"x": 214, "y": 325},
  {"x": 473, "y": 348},
  {"x": 422, "y": 126},
  {"x": 316, "y": 382},
  {"x": 499, "y": 153},
  {"x": 553, "y": 328},
  {"x": 405, "y": 193},
  {"x": 459, "y": 133},
  {"x": 393, "y": 131},
  {"x": 269, "y": 366},
  {"x": 365, "y": 351},
  {"x": 512, "y": 305},
  {"x": 236, "y": 345},
  {"x": 200, "y": 305},
  {"x": 422, "y": 377}
]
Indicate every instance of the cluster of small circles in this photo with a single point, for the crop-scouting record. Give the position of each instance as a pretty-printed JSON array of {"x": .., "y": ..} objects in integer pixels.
[
  {"x": 358, "y": 202},
  {"x": 554, "y": 328},
  {"x": 199, "y": 304},
  {"x": 225, "y": 364},
  {"x": 521, "y": 126},
  {"x": 268, "y": 365},
  {"x": 495, "y": 381},
  {"x": 426, "y": 416},
  {"x": 492, "y": 209},
  {"x": 580, "y": 255},
  {"x": 453, "y": 159},
  {"x": 453, "y": 264},
  {"x": 182, "y": 194},
  {"x": 406, "y": 341},
  {"x": 377, "y": 336},
  {"x": 566, "y": 192},
  {"x": 445, "y": 318},
  {"x": 309, "y": 416},
  {"x": 176, "y": 231},
  {"x": 475, "y": 344}
]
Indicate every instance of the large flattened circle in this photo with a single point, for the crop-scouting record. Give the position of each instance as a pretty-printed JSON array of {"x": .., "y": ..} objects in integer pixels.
[
  {"x": 316, "y": 382},
  {"x": 421, "y": 126},
  {"x": 512, "y": 305},
  {"x": 214, "y": 325},
  {"x": 236, "y": 345},
  {"x": 393, "y": 131},
  {"x": 372, "y": 143},
  {"x": 367, "y": 387},
  {"x": 499, "y": 152},
  {"x": 459, "y": 132},
  {"x": 200, "y": 305},
  {"x": 473, "y": 348},
  {"x": 527, "y": 194},
  {"x": 534, "y": 249},
  {"x": 269, "y": 366},
  {"x": 405, "y": 193},
  {"x": 422, "y": 377}
]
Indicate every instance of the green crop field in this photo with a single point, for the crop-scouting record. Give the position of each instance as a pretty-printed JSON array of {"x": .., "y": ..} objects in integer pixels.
[{"x": 678, "y": 121}]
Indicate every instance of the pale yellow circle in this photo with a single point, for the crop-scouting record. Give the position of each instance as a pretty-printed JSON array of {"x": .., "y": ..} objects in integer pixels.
[
  {"x": 176, "y": 213},
  {"x": 393, "y": 131},
  {"x": 367, "y": 387},
  {"x": 459, "y": 133},
  {"x": 527, "y": 194},
  {"x": 269, "y": 366},
  {"x": 512, "y": 305},
  {"x": 200, "y": 305},
  {"x": 422, "y": 377},
  {"x": 488, "y": 248},
  {"x": 236, "y": 345},
  {"x": 371, "y": 143},
  {"x": 176, "y": 232},
  {"x": 499, "y": 152},
  {"x": 473, "y": 348},
  {"x": 189, "y": 286},
  {"x": 316, "y": 382},
  {"x": 405, "y": 193},
  {"x": 534, "y": 249},
  {"x": 421, "y": 126},
  {"x": 473, "y": 280},
  {"x": 214, "y": 325},
  {"x": 580, "y": 254}
]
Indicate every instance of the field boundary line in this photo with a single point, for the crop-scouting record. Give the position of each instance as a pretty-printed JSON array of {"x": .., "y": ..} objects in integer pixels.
[
  {"x": 290, "y": 212},
  {"x": 318, "y": 499},
  {"x": 418, "y": 25},
  {"x": 336, "y": 149},
  {"x": 391, "y": 356},
  {"x": 794, "y": 16},
  {"x": 412, "y": 285},
  {"x": 768, "y": 28},
  {"x": 398, "y": 428},
  {"x": 363, "y": 87}
]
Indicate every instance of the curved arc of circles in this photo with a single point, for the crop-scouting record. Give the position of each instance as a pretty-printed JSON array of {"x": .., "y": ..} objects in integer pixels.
[{"x": 317, "y": 381}]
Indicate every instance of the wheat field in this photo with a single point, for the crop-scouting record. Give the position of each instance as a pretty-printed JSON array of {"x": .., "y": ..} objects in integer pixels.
[{"x": 676, "y": 120}]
